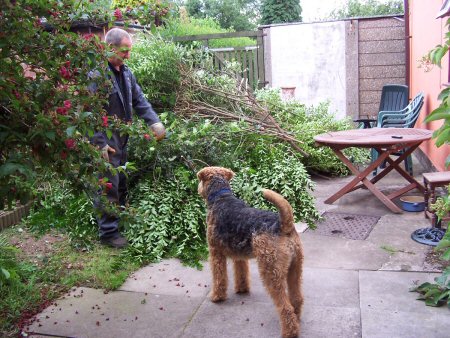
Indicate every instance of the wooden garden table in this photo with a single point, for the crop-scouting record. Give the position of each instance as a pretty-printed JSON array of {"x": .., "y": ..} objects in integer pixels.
[{"x": 386, "y": 141}]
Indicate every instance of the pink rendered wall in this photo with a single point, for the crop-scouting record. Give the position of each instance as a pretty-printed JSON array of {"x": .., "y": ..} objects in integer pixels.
[{"x": 426, "y": 32}]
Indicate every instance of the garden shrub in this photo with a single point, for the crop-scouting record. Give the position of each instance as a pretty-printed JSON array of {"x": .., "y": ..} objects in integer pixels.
[
  {"x": 60, "y": 207},
  {"x": 155, "y": 63},
  {"x": 194, "y": 26},
  {"x": 305, "y": 123}
]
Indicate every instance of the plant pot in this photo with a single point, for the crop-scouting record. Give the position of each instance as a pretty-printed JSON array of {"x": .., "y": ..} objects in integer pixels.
[{"x": 413, "y": 203}]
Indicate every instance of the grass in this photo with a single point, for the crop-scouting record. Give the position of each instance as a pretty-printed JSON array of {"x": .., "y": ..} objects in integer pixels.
[{"x": 41, "y": 273}]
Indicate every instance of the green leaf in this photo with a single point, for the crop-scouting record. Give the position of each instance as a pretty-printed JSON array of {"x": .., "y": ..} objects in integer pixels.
[
  {"x": 71, "y": 130},
  {"x": 11, "y": 167},
  {"x": 50, "y": 135},
  {"x": 6, "y": 273},
  {"x": 443, "y": 243},
  {"x": 108, "y": 133},
  {"x": 446, "y": 255},
  {"x": 444, "y": 136},
  {"x": 438, "y": 114}
]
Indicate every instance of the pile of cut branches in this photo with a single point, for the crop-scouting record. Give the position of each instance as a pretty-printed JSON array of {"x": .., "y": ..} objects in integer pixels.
[{"x": 221, "y": 97}]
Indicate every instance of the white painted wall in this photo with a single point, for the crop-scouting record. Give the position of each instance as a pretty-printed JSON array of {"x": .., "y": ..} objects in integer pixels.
[{"x": 310, "y": 57}]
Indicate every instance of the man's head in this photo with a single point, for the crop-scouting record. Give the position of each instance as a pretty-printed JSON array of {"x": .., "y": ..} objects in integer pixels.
[{"x": 120, "y": 42}]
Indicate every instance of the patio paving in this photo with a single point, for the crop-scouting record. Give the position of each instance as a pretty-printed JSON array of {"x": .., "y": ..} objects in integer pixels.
[{"x": 352, "y": 288}]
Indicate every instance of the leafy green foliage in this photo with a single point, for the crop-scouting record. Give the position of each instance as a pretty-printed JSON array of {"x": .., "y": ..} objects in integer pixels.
[
  {"x": 362, "y": 8},
  {"x": 60, "y": 208},
  {"x": 45, "y": 105},
  {"x": 144, "y": 12},
  {"x": 169, "y": 218},
  {"x": 195, "y": 26},
  {"x": 276, "y": 11},
  {"x": 155, "y": 63},
  {"x": 240, "y": 15},
  {"x": 307, "y": 122},
  {"x": 436, "y": 294}
]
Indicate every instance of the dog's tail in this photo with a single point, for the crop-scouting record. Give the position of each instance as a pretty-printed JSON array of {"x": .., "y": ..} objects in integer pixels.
[{"x": 284, "y": 208}]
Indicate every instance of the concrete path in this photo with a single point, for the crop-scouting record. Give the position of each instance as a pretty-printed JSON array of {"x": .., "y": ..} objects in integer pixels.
[{"x": 352, "y": 288}]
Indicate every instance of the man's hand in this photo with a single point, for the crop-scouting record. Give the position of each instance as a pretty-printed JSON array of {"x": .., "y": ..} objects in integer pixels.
[
  {"x": 105, "y": 152},
  {"x": 158, "y": 130}
]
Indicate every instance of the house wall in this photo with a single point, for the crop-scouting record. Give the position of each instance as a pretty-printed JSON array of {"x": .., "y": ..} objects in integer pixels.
[
  {"x": 311, "y": 58},
  {"x": 426, "y": 32},
  {"x": 344, "y": 62}
]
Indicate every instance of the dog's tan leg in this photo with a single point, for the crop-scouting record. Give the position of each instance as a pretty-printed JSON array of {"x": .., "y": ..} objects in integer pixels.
[
  {"x": 294, "y": 281},
  {"x": 241, "y": 276},
  {"x": 273, "y": 263},
  {"x": 218, "y": 263}
]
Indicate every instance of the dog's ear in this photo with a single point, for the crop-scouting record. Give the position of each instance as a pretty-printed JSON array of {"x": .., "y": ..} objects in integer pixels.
[
  {"x": 204, "y": 174},
  {"x": 227, "y": 173}
]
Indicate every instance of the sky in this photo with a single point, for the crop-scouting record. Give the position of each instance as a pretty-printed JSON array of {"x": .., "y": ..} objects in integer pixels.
[
  {"x": 314, "y": 10},
  {"x": 318, "y": 9}
]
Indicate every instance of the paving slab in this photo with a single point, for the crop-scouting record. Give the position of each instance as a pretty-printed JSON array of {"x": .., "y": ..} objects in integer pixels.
[
  {"x": 393, "y": 233},
  {"x": 170, "y": 277},
  {"x": 331, "y": 309},
  {"x": 86, "y": 313},
  {"x": 388, "y": 309},
  {"x": 339, "y": 253}
]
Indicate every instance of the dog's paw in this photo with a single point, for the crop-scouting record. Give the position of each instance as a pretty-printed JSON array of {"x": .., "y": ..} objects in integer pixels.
[{"x": 216, "y": 298}]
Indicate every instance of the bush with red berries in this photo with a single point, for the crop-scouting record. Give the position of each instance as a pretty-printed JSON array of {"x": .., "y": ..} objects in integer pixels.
[{"x": 47, "y": 112}]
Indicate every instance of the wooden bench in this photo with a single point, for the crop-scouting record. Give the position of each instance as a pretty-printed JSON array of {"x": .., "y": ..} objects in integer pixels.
[{"x": 431, "y": 182}]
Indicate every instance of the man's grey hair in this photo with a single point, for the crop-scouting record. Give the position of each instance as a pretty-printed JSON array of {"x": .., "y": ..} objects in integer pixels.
[{"x": 115, "y": 36}]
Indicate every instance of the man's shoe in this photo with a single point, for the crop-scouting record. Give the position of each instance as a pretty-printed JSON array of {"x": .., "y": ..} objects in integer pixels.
[{"x": 115, "y": 242}]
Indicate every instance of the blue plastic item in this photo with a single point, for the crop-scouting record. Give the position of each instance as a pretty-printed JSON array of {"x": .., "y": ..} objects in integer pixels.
[
  {"x": 428, "y": 236},
  {"x": 413, "y": 203}
]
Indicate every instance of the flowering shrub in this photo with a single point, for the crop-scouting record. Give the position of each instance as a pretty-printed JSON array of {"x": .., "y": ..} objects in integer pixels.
[
  {"x": 144, "y": 12},
  {"x": 46, "y": 109}
]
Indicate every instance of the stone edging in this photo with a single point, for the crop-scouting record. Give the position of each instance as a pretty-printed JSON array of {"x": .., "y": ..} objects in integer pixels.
[{"x": 8, "y": 218}]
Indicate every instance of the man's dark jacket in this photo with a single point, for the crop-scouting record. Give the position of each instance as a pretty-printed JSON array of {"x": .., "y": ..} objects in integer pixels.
[{"x": 122, "y": 107}]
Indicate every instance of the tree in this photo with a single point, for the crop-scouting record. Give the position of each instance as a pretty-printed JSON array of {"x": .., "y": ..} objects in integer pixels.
[
  {"x": 236, "y": 14},
  {"x": 280, "y": 11},
  {"x": 361, "y": 8}
]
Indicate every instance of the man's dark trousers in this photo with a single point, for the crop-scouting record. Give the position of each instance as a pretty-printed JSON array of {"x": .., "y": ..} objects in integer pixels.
[{"x": 109, "y": 223}]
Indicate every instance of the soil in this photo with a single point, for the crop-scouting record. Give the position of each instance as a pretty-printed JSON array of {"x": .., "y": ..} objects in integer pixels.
[
  {"x": 36, "y": 248},
  {"x": 433, "y": 261}
]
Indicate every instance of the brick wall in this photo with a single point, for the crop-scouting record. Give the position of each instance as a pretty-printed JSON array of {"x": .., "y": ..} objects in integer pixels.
[{"x": 381, "y": 59}]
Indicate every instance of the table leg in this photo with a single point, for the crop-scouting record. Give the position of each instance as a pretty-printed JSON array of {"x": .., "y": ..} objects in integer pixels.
[{"x": 361, "y": 177}]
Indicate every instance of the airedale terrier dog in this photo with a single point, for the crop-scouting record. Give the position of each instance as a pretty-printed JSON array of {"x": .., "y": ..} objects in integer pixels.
[{"x": 240, "y": 232}]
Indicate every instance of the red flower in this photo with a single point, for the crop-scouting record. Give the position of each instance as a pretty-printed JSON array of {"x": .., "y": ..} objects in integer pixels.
[
  {"x": 105, "y": 121},
  {"x": 64, "y": 72},
  {"x": 16, "y": 94},
  {"x": 61, "y": 110},
  {"x": 67, "y": 63},
  {"x": 70, "y": 143},
  {"x": 147, "y": 136},
  {"x": 108, "y": 185},
  {"x": 118, "y": 14},
  {"x": 88, "y": 36},
  {"x": 63, "y": 155},
  {"x": 67, "y": 104}
]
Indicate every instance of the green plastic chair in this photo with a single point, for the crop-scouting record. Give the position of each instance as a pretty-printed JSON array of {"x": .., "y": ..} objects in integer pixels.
[
  {"x": 394, "y": 97},
  {"x": 405, "y": 118}
]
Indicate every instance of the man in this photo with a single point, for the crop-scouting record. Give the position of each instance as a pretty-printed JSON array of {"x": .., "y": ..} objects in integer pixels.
[{"x": 125, "y": 96}]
